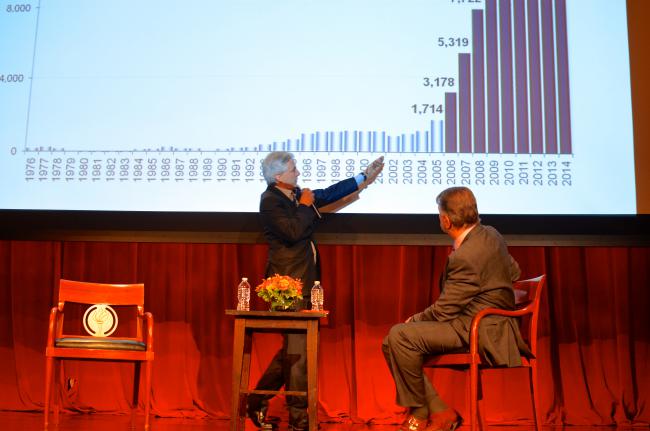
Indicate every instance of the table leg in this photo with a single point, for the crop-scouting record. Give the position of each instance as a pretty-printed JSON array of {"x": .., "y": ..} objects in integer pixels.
[
  {"x": 245, "y": 376},
  {"x": 312, "y": 374},
  {"x": 237, "y": 363}
]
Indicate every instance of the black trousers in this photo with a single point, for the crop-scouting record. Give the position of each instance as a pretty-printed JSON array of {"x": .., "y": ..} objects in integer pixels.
[{"x": 288, "y": 368}]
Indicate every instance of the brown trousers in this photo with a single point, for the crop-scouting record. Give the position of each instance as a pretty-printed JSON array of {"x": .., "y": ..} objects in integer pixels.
[{"x": 405, "y": 347}]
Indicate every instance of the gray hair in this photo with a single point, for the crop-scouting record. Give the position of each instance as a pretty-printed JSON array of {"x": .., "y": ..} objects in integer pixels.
[{"x": 275, "y": 163}]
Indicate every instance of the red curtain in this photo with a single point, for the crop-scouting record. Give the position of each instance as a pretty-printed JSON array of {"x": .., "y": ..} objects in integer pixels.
[{"x": 595, "y": 328}]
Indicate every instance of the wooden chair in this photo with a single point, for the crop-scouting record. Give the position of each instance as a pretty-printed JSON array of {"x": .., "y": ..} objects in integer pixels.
[
  {"x": 527, "y": 298},
  {"x": 99, "y": 320}
]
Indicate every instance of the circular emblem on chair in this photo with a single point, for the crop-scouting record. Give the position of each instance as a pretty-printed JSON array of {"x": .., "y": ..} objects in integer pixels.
[{"x": 100, "y": 320}]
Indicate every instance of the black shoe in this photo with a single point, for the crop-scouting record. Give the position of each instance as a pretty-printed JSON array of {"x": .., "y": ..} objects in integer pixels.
[
  {"x": 258, "y": 416},
  {"x": 299, "y": 425}
]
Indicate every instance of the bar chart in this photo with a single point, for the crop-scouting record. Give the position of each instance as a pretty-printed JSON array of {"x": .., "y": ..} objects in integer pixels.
[
  {"x": 515, "y": 122},
  {"x": 498, "y": 95}
]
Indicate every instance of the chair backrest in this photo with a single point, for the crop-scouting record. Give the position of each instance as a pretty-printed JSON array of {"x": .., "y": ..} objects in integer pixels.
[
  {"x": 129, "y": 296},
  {"x": 528, "y": 294},
  {"x": 101, "y": 293}
]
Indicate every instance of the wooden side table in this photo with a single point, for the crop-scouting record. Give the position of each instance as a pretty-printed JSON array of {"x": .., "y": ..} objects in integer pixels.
[{"x": 247, "y": 322}]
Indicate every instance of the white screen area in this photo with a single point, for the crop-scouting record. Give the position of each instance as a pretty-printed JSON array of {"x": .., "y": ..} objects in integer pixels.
[{"x": 171, "y": 105}]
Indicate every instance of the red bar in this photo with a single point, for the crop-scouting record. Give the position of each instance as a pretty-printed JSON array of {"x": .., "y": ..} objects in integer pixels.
[
  {"x": 536, "y": 132},
  {"x": 563, "y": 77},
  {"x": 492, "y": 76},
  {"x": 548, "y": 50},
  {"x": 450, "y": 123},
  {"x": 507, "y": 109},
  {"x": 478, "y": 85},
  {"x": 464, "y": 103},
  {"x": 520, "y": 77}
]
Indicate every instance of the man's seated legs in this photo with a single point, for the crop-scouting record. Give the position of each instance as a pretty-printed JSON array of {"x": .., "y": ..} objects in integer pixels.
[{"x": 404, "y": 349}]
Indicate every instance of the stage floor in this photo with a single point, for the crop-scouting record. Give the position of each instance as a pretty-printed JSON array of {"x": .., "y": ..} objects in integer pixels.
[{"x": 12, "y": 421}]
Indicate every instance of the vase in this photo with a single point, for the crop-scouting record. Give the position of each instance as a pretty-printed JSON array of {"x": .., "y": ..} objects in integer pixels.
[{"x": 292, "y": 306}]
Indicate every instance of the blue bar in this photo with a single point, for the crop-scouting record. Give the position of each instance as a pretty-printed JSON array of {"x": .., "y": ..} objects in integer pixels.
[
  {"x": 417, "y": 141},
  {"x": 383, "y": 142},
  {"x": 427, "y": 146},
  {"x": 345, "y": 141},
  {"x": 433, "y": 134},
  {"x": 360, "y": 141},
  {"x": 374, "y": 141},
  {"x": 440, "y": 130},
  {"x": 332, "y": 140},
  {"x": 302, "y": 142},
  {"x": 388, "y": 145},
  {"x": 317, "y": 141}
]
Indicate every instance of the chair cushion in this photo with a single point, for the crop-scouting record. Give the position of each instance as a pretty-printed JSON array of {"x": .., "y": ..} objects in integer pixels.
[{"x": 100, "y": 343}]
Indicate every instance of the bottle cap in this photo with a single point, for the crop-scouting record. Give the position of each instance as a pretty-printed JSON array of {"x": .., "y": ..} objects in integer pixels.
[
  {"x": 244, "y": 279},
  {"x": 316, "y": 283}
]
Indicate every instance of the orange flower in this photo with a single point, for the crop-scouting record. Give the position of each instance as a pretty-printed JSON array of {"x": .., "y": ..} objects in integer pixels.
[{"x": 281, "y": 291}]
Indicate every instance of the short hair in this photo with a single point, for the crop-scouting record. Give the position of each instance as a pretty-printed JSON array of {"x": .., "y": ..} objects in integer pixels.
[
  {"x": 275, "y": 163},
  {"x": 459, "y": 204}
]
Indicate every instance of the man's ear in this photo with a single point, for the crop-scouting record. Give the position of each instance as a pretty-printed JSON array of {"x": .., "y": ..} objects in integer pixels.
[{"x": 446, "y": 221}]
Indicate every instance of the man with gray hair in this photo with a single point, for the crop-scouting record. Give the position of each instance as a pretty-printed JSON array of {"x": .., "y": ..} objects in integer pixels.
[{"x": 289, "y": 216}]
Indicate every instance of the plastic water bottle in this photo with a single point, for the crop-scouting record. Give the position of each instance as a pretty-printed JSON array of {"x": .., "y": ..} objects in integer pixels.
[
  {"x": 317, "y": 297},
  {"x": 243, "y": 295}
]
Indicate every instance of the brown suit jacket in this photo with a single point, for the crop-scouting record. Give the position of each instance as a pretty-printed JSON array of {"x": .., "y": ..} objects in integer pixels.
[{"x": 479, "y": 275}]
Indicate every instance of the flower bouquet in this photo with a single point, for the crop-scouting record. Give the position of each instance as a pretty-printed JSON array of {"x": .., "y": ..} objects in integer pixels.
[{"x": 280, "y": 291}]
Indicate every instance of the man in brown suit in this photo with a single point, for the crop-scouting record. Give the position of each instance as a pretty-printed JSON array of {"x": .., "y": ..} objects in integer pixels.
[{"x": 479, "y": 274}]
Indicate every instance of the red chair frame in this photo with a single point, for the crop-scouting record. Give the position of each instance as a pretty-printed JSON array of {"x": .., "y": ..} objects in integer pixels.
[
  {"x": 527, "y": 297},
  {"x": 99, "y": 293}
]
